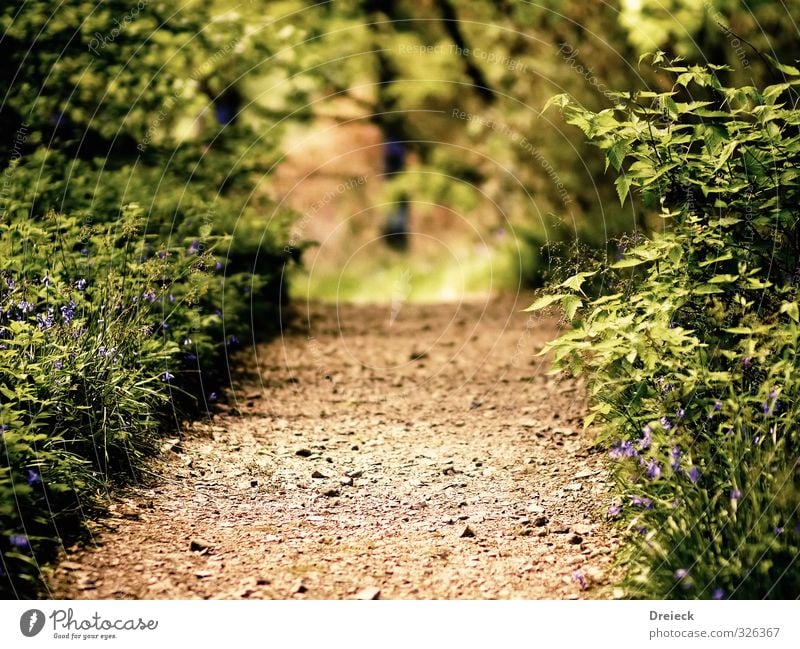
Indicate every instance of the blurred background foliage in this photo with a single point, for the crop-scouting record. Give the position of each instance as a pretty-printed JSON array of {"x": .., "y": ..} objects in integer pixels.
[
  {"x": 235, "y": 137},
  {"x": 284, "y": 101}
]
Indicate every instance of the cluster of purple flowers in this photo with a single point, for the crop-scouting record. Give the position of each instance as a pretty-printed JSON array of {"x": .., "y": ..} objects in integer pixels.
[
  {"x": 19, "y": 541},
  {"x": 771, "y": 406},
  {"x": 623, "y": 449}
]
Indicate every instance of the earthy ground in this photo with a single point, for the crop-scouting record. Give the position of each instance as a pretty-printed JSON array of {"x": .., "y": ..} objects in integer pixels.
[{"x": 402, "y": 451}]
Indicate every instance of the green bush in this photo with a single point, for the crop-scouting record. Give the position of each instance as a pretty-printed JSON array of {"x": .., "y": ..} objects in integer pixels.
[
  {"x": 691, "y": 353},
  {"x": 115, "y": 323}
]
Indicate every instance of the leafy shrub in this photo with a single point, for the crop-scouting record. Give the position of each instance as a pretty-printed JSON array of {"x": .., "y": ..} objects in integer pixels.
[
  {"x": 114, "y": 324},
  {"x": 692, "y": 351}
]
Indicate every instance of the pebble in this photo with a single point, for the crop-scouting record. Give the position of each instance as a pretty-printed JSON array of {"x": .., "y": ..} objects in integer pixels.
[
  {"x": 467, "y": 532},
  {"x": 370, "y": 592},
  {"x": 198, "y": 545}
]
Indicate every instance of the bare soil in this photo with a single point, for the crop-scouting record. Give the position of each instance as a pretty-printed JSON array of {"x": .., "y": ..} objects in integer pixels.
[{"x": 398, "y": 451}]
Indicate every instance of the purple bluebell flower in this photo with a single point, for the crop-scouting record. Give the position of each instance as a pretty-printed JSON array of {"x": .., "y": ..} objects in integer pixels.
[
  {"x": 735, "y": 494},
  {"x": 680, "y": 414},
  {"x": 43, "y": 321},
  {"x": 24, "y": 306},
  {"x": 162, "y": 254},
  {"x": 46, "y": 280},
  {"x": 68, "y": 312},
  {"x": 642, "y": 531},
  {"x": 717, "y": 406},
  {"x": 102, "y": 352},
  {"x": 694, "y": 474},
  {"x": 675, "y": 454},
  {"x": 579, "y": 579},
  {"x": 167, "y": 376},
  {"x": 681, "y": 573},
  {"x": 614, "y": 510},
  {"x": 212, "y": 396},
  {"x": 11, "y": 283},
  {"x": 171, "y": 297},
  {"x": 195, "y": 247},
  {"x": 58, "y": 364},
  {"x": 19, "y": 541},
  {"x": 34, "y": 477},
  {"x": 187, "y": 342},
  {"x": 3, "y": 429},
  {"x": 232, "y": 340},
  {"x": 778, "y": 531},
  {"x": 640, "y": 501},
  {"x": 665, "y": 423},
  {"x": 622, "y": 449},
  {"x": 718, "y": 593},
  {"x": 81, "y": 284},
  {"x": 653, "y": 470},
  {"x": 218, "y": 266},
  {"x": 150, "y": 296},
  {"x": 747, "y": 362}
]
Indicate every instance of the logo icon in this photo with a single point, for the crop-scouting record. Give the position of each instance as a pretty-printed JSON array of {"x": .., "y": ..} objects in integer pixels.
[{"x": 31, "y": 622}]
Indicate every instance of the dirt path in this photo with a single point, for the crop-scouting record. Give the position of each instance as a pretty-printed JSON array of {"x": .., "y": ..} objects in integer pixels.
[{"x": 419, "y": 451}]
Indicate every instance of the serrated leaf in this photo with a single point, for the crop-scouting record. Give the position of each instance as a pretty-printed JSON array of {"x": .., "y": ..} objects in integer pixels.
[
  {"x": 545, "y": 301},
  {"x": 576, "y": 281},
  {"x": 571, "y": 304},
  {"x": 628, "y": 262},
  {"x": 623, "y": 185}
]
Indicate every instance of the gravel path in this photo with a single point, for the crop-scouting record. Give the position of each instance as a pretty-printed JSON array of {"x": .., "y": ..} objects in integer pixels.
[{"x": 399, "y": 451}]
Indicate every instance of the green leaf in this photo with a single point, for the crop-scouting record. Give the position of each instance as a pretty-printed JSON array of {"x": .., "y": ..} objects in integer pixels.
[
  {"x": 576, "y": 281},
  {"x": 545, "y": 301},
  {"x": 723, "y": 279},
  {"x": 791, "y": 309},
  {"x": 629, "y": 262},
  {"x": 786, "y": 69},
  {"x": 623, "y": 185},
  {"x": 571, "y": 305},
  {"x": 716, "y": 260}
]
